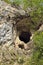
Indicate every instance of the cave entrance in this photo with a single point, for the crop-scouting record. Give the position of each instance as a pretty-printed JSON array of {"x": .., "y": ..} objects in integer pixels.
[{"x": 25, "y": 36}]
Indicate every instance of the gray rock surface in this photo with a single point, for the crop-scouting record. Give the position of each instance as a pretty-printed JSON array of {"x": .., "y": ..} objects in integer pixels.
[
  {"x": 6, "y": 33},
  {"x": 6, "y": 26}
]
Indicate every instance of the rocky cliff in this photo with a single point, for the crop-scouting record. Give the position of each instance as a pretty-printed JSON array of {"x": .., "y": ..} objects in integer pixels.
[{"x": 16, "y": 33}]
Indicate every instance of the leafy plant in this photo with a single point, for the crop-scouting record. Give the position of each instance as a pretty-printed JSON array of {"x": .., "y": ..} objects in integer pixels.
[{"x": 37, "y": 58}]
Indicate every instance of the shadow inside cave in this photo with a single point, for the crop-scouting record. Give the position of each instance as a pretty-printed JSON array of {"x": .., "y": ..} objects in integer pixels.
[{"x": 25, "y": 36}]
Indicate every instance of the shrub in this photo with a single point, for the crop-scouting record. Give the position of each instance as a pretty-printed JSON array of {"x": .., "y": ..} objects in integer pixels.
[{"x": 37, "y": 58}]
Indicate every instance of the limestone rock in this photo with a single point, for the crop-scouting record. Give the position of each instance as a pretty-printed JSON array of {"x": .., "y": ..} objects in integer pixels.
[
  {"x": 41, "y": 28},
  {"x": 6, "y": 33},
  {"x": 11, "y": 47}
]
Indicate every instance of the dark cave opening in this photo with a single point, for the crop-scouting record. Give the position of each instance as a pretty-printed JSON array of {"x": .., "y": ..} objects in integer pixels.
[
  {"x": 25, "y": 36},
  {"x": 21, "y": 46}
]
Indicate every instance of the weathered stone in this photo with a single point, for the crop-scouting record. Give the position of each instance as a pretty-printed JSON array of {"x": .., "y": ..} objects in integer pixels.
[
  {"x": 6, "y": 33},
  {"x": 41, "y": 28},
  {"x": 11, "y": 47}
]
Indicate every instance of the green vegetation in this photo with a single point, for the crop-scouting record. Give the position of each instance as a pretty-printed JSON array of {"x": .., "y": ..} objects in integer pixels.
[
  {"x": 37, "y": 58},
  {"x": 8, "y": 1}
]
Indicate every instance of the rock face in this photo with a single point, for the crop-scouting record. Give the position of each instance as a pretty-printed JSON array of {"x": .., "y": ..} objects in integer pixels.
[
  {"x": 9, "y": 17},
  {"x": 10, "y": 29},
  {"x": 6, "y": 33}
]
